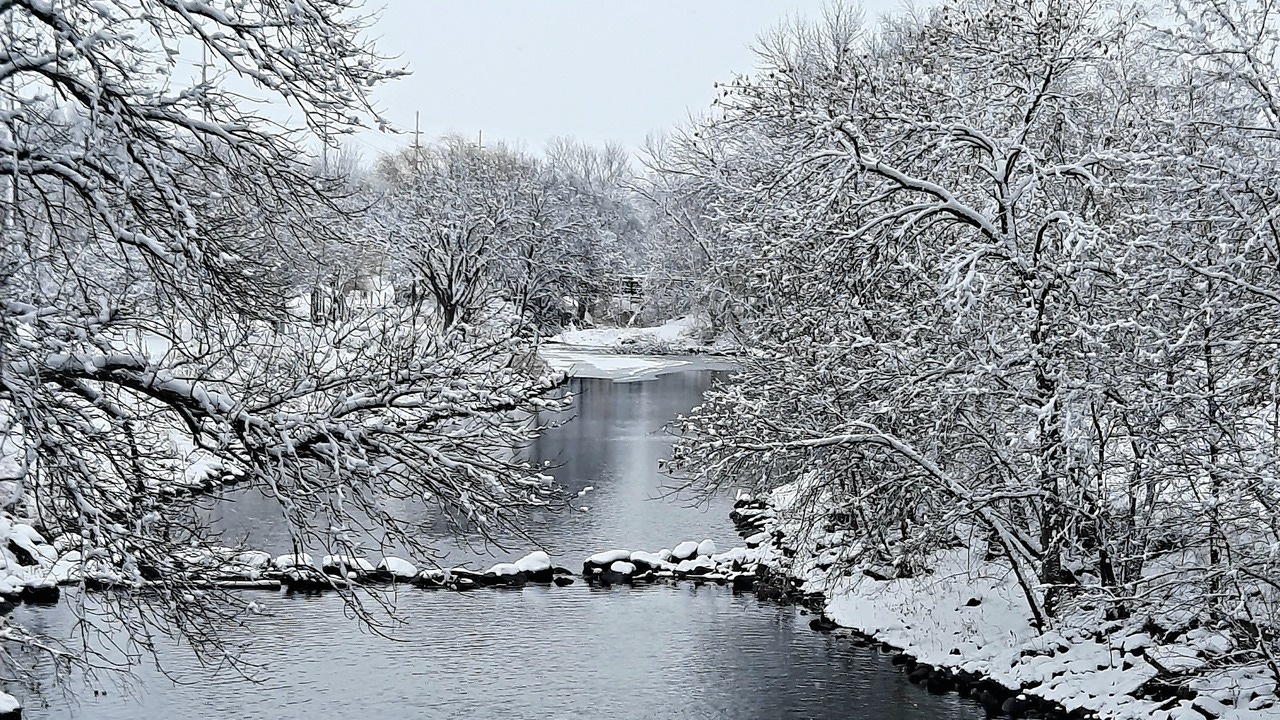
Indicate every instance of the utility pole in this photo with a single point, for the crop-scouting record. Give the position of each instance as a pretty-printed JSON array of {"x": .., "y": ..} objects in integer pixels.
[
  {"x": 417, "y": 144},
  {"x": 204, "y": 80},
  {"x": 324, "y": 146}
]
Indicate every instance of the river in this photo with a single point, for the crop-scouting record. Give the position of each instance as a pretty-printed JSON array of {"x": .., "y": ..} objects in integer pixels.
[{"x": 664, "y": 651}]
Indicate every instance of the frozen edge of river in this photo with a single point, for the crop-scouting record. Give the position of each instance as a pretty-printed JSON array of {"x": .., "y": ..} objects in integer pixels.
[
  {"x": 630, "y": 354},
  {"x": 600, "y": 364},
  {"x": 968, "y": 618}
]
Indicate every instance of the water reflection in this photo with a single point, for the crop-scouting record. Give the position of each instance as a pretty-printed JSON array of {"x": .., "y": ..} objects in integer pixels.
[{"x": 575, "y": 652}]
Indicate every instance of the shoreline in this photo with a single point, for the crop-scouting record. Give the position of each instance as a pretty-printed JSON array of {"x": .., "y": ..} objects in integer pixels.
[{"x": 962, "y": 628}]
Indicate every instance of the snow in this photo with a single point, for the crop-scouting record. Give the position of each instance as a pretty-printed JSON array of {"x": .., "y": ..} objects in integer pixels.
[
  {"x": 695, "y": 564},
  {"x": 352, "y": 563},
  {"x": 503, "y": 569},
  {"x": 594, "y": 353},
  {"x": 673, "y": 332},
  {"x": 685, "y": 550},
  {"x": 623, "y": 568},
  {"x": 653, "y": 560},
  {"x": 930, "y": 617},
  {"x": 621, "y": 368},
  {"x": 707, "y": 547},
  {"x": 67, "y": 568},
  {"x": 9, "y": 703},
  {"x": 254, "y": 559},
  {"x": 398, "y": 568},
  {"x": 537, "y": 561},
  {"x": 286, "y": 562},
  {"x": 609, "y": 556}
]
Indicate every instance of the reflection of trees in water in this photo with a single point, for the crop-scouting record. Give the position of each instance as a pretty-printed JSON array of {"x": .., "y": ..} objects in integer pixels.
[{"x": 611, "y": 440}]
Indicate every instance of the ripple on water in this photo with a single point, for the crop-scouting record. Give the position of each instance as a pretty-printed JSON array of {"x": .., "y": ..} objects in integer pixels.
[{"x": 575, "y": 652}]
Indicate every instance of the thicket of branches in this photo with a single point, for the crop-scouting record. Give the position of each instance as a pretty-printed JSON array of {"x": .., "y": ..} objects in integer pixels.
[
  {"x": 159, "y": 232},
  {"x": 552, "y": 235},
  {"x": 1011, "y": 268}
]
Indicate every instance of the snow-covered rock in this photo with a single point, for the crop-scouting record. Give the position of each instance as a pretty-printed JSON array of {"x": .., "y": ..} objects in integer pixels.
[
  {"x": 649, "y": 561},
  {"x": 537, "y": 561},
  {"x": 707, "y": 548},
  {"x": 503, "y": 569},
  {"x": 288, "y": 562},
  {"x": 346, "y": 565},
  {"x": 9, "y": 706},
  {"x": 537, "y": 567},
  {"x": 623, "y": 568},
  {"x": 609, "y": 556},
  {"x": 253, "y": 559},
  {"x": 67, "y": 569},
  {"x": 26, "y": 537},
  {"x": 684, "y": 551},
  {"x": 397, "y": 568}
]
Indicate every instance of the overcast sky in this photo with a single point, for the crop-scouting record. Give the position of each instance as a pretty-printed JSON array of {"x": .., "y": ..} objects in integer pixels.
[{"x": 525, "y": 71}]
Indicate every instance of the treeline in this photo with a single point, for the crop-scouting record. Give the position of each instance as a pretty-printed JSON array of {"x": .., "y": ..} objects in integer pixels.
[
  {"x": 1011, "y": 271},
  {"x": 452, "y": 226}
]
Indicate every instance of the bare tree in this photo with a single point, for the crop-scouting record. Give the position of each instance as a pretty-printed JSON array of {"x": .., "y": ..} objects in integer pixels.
[
  {"x": 1009, "y": 269},
  {"x": 151, "y": 221}
]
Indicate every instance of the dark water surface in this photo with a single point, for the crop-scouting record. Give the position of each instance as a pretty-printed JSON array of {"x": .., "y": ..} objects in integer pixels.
[{"x": 538, "y": 652}]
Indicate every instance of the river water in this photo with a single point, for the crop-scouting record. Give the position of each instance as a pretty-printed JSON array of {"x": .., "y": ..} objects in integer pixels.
[{"x": 665, "y": 651}]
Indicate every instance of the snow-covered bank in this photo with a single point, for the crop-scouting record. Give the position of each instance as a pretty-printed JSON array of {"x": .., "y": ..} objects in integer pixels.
[
  {"x": 633, "y": 353},
  {"x": 676, "y": 337},
  {"x": 965, "y": 619},
  {"x": 598, "y": 365},
  {"x": 681, "y": 336}
]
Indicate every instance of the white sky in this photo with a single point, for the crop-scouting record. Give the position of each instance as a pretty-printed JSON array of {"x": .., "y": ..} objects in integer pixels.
[{"x": 525, "y": 71}]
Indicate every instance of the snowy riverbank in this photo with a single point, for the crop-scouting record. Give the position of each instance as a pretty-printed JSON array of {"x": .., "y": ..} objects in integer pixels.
[
  {"x": 966, "y": 618},
  {"x": 633, "y": 354},
  {"x": 681, "y": 336}
]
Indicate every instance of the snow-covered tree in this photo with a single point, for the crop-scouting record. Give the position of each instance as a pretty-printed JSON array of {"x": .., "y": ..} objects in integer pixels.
[
  {"x": 463, "y": 223},
  {"x": 1009, "y": 269},
  {"x": 152, "y": 222}
]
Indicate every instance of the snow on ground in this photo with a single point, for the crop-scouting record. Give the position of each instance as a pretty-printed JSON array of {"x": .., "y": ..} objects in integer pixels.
[
  {"x": 674, "y": 334},
  {"x": 605, "y": 366},
  {"x": 969, "y": 615},
  {"x": 631, "y": 354}
]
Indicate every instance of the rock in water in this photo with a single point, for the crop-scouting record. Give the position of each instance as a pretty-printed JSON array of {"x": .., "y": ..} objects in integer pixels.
[
  {"x": 648, "y": 561},
  {"x": 939, "y": 683},
  {"x": 823, "y": 624},
  {"x": 684, "y": 550},
  {"x": 10, "y": 708},
  {"x": 346, "y": 566},
  {"x": 252, "y": 559},
  {"x": 286, "y": 562},
  {"x": 609, "y": 556},
  {"x": 394, "y": 568},
  {"x": 601, "y": 560},
  {"x": 536, "y": 566},
  {"x": 706, "y": 548}
]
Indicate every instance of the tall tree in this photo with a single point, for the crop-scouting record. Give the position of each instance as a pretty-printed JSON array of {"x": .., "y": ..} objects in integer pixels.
[{"x": 151, "y": 214}]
